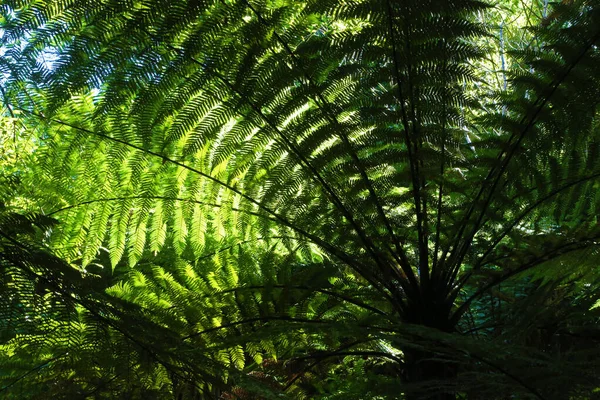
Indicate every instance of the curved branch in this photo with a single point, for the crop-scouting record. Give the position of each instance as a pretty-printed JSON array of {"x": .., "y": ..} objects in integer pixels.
[
  {"x": 321, "y": 357},
  {"x": 97, "y": 315},
  {"x": 411, "y": 157},
  {"x": 324, "y": 105},
  {"x": 37, "y": 368},
  {"x": 342, "y": 255},
  {"x": 301, "y": 287},
  {"x": 557, "y": 252},
  {"x": 512, "y": 376},
  {"x": 256, "y": 319},
  {"x": 109, "y": 199},
  {"x": 369, "y": 245},
  {"x": 460, "y": 251},
  {"x": 526, "y": 211}
]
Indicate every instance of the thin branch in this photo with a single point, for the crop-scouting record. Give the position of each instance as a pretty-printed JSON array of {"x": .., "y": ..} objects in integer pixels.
[
  {"x": 369, "y": 245},
  {"x": 102, "y": 385},
  {"x": 300, "y": 287},
  {"x": 421, "y": 209},
  {"x": 526, "y": 211},
  {"x": 85, "y": 305},
  {"x": 460, "y": 251},
  {"x": 20, "y": 378},
  {"x": 342, "y": 255},
  {"x": 324, "y": 105},
  {"x": 322, "y": 357},
  {"x": 244, "y": 242},
  {"x": 256, "y": 319},
  {"x": 512, "y": 376},
  {"x": 555, "y": 253},
  {"x": 373, "y": 328},
  {"x": 438, "y": 224},
  {"x": 411, "y": 158},
  {"x": 12, "y": 114},
  {"x": 356, "y": 353},
  {"x": 109, "y": 199}
]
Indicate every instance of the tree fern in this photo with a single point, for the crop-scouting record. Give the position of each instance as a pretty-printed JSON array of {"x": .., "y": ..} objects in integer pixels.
[{"x": 285, "y": 180}]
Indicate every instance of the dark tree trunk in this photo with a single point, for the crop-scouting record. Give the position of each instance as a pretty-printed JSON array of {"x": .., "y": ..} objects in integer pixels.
[
  {"x": 427, "y": 377},
  {"x": 432, "y": 377}
]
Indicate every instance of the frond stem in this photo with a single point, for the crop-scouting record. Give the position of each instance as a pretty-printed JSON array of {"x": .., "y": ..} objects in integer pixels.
[
  {"x": 460, "y": 250},
  {"x": 327, "y": 246},
  {"x": 557, "y": 252},
  {"x": 326, "y": 107}
]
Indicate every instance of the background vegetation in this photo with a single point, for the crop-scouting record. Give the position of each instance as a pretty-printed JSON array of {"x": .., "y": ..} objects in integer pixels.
[{"x": 229, "y": 199}]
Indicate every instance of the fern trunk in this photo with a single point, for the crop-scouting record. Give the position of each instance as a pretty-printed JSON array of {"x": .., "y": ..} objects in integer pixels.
[
  {"x": 427, "y": 375},
  {"x": 424, "y": 371}
]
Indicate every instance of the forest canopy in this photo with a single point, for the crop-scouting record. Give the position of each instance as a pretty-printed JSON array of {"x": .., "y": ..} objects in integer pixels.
[{"x": 260, "y": 199}]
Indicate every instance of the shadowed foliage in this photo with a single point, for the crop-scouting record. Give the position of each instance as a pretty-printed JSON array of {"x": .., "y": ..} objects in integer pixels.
[{"x": 278, "y": 199}]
